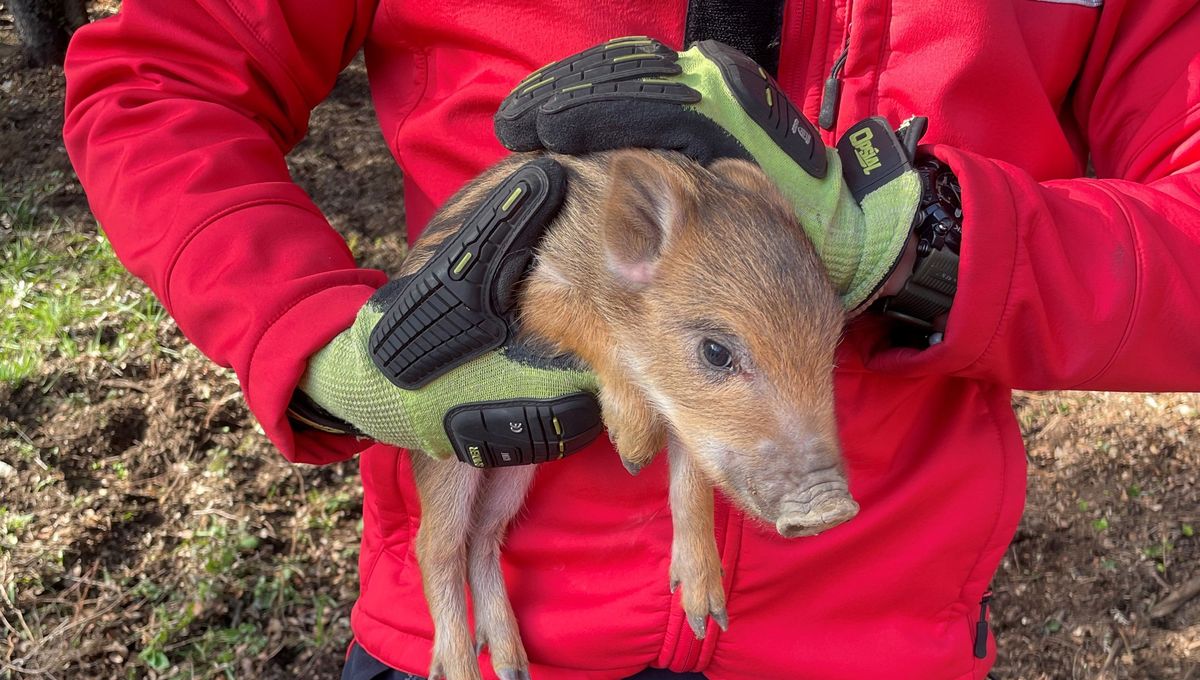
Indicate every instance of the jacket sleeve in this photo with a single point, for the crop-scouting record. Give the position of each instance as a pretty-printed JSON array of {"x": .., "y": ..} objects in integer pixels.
[
  {"x": 1089, "y": 283},
  {"x": 178, "y": 118}
]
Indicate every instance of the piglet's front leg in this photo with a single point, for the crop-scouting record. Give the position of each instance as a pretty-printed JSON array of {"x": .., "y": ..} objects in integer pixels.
[{"x": 695, "y": 562}]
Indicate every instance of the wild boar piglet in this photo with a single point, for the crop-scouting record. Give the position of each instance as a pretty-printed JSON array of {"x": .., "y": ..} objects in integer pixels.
[{"x": 706, "y": 314}]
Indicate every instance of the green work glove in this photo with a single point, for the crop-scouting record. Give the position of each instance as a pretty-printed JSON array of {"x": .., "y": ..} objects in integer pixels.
[
  {"x": 856, "y": 202},
  {"x": 433, "y": 362}
]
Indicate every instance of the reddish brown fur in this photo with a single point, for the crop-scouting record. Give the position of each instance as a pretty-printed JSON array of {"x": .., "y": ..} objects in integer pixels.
[{"x": 649, "y": 256}]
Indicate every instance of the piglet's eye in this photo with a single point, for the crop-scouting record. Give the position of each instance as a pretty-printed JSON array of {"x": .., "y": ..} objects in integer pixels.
[{"x": 716, "y": 355}]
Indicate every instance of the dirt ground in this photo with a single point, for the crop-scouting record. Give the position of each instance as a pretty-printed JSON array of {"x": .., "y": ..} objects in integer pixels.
[{"x": 148, "y": 530}]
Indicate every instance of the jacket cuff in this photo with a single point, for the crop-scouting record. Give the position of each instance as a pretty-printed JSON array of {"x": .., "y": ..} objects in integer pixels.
[
  {"x": 260, "y": 288},
  {"x": 987, "y": 263},
  {"x": 279, "y": 361}
]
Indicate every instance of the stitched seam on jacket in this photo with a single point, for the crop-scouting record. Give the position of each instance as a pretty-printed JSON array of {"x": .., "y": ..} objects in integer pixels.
[
  {"x": 423, "y": 55},
  {"x": 999, "y": 434},
  {"x": 1173, "y": 124},
  {"x": 885, "y": 52},
  {"x": 410, "y": 527},
  {"x": 992, "y": 417},
  {"x": 280, "y": 63},
  {"x": 370, "y": 570},
  {"x": 1016, "y": 236},
  {"x": 1138, "y": 268},
  {"x": 394, "y": 21},
  {"x": 220, "y": 214},
  {"x": 267, "y": 328}
]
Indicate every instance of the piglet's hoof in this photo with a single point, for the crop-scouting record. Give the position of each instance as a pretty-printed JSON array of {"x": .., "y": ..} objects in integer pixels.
[
  {"x": 632, "y": 467},
  {"x": 703, "y": 594}
]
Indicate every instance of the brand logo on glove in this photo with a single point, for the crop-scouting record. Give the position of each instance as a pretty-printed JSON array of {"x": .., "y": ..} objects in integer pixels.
[
  {"x": 798, "y": 129},
  {"x": 476, "y": 456},
  {"x": 865, "y": 151}
]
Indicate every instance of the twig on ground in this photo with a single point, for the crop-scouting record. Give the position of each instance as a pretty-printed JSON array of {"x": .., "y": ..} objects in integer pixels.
[
  {"x": 13, "y": 668},
  {"x": 121, "y": 384},
  {"x": 1112, "y": 655},
  {"x": 1181, "y": 594},
  {"x": 217, "y": 405},
  {"x": 219, "y": 513},
  {"x": 1150, "y": 571},
  {"x": 13, "y": 606}
]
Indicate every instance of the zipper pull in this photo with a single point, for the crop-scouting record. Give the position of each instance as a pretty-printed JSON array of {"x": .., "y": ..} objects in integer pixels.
[
  {"x": 833, "y": 88},
  {"x": 981, "y": 628}
]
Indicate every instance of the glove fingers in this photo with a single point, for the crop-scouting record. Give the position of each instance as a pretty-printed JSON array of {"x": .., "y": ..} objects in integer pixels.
[
  {"x": 649, "y": 89},
  {"x": 607, "y": 123},
  {"x": 620, "y": 59}
]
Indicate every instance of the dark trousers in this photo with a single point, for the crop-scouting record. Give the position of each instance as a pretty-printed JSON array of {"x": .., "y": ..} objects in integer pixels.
[{"x": 362, "y": 666}]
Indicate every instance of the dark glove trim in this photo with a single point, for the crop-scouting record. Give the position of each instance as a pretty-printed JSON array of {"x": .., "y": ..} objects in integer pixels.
[
  {"x": 460, "y": 304},
  {"x": 307, "y": 414},
  {"x": 760, "y": 97}
]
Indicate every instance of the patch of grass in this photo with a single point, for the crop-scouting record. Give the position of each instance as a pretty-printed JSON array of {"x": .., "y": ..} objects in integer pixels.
[
  {"x": 1160, "y": 554},
  {"x": 22, "y": 211},
  {"x": 179, "y": 632},
  {"x": 12, "y": 527},
  {"x": 325, "y": 510},
  {"x": 64, "y": 293}
]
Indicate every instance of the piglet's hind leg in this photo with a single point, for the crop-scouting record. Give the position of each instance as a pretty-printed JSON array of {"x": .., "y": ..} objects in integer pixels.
[
  {"x": 448, "y": 491},
  {"x": 499, "y": 500}
]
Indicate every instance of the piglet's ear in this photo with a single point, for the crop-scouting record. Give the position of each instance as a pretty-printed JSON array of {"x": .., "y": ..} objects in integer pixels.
[{"x": 648, "y": 198}]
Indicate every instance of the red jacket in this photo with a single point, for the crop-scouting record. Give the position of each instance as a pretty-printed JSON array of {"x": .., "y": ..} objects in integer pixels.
[{"x": 179, "y": 116}]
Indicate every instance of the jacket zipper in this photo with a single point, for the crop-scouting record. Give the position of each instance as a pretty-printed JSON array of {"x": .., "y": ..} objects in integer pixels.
[
  {"x": 981, "y": 627},
  {"x": 832, "y": 95}
]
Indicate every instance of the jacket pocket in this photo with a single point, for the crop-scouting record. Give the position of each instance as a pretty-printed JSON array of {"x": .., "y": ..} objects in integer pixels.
[{"x": 977, "y": 599}]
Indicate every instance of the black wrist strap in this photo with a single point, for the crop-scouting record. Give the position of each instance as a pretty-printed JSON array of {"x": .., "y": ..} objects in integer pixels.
[{"x": 929, "y": 292}]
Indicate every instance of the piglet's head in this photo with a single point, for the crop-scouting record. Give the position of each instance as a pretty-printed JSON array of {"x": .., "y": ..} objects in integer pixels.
[{"x": 723, "y": 328}]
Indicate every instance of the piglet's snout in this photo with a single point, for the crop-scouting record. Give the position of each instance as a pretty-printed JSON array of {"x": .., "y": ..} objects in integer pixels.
[{"x": 821, "y": 505}]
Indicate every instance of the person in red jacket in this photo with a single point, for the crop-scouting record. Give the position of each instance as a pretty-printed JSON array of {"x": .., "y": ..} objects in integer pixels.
[{"x": 179, "y": 117}]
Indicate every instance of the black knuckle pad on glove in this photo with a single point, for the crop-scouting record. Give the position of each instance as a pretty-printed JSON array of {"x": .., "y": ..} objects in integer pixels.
[
  {"x": 637, "y": 123},
  {"x": 460, "y": 304},
  {"x": 592, "y": 77},
  {"x": 523, "y": 432}
]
